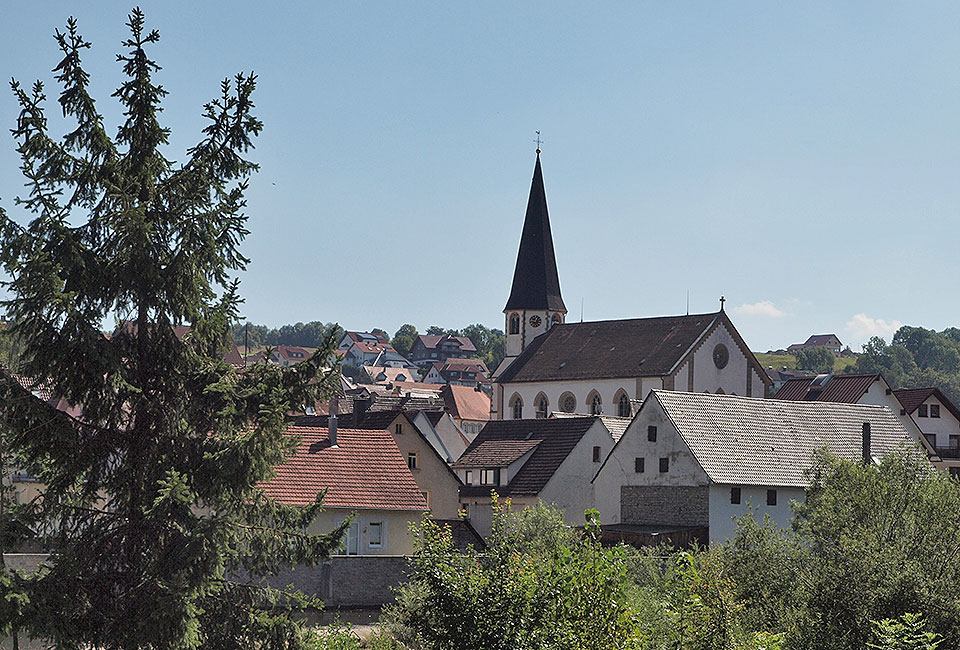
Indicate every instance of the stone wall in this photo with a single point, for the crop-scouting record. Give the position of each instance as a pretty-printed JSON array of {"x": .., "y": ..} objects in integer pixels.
[
  {"x": 349, "y": 580},
  {"x": 665, "y": 505}
]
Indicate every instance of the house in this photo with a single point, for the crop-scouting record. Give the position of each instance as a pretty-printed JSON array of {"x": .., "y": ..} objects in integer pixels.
[
  {"x": 700, "y": 460},
  {"x": 529, "y": 460},
  {"x": 939, "y": 422},
  {"x": 828, "y": 341},
  {"x": 386, "y": 375},
  {"x": 461, "y": 372},
  {"x": 779, "y": 377},
  {"x": 443, "y": 432},
  {"x": 600, "y": 367},
  {"x": 421, "y": 448},
  {"x": 872, "y": 388},
  {"x": 287, "y": 355},
  {"x": 362, "y": 472},
  {"x": 469, "y": 407},
  {"x": 366, "y": 349},
  {"x": 428, "y": 349}
]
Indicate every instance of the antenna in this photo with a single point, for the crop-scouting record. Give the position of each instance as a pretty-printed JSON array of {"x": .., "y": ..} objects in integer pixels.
[
  {"x": 581, "y": 309},
  {"x": 688, "y": 302}
]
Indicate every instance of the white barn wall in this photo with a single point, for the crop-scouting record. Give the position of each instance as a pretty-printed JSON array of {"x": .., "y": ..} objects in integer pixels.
[
  {"x": 723, "y": 514},
  {"x": 570, "y": 488}
]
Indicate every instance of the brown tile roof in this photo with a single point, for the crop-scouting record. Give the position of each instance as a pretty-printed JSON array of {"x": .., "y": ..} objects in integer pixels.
[
  {"x": 466, "y": 403},
  {"x": 406, "y": 386},
  {"x": 844, "y": 389},
  {"x": 639, "y": 347},
  {"x": 476, "y": 365},
  {"x": 911, "y": 398},
  {"x": 557, "y": 439},
  {"x": 495, "y": 453},
  {"x": 364, "y": 471},
  {"x": 432, "y": 341}
]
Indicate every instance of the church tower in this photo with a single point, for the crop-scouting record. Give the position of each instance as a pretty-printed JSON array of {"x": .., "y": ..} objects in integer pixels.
[{"x": 535, "y": 304}]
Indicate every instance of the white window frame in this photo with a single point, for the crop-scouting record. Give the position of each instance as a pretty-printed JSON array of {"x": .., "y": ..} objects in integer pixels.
[{"x": 381, "y": 526}]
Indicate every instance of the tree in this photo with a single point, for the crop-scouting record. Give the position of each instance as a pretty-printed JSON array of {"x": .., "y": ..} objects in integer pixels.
[
  {"x": 815, "y": 359},
  {"x": 152, "y": 493},
  {"x": 404, "y": 339}
]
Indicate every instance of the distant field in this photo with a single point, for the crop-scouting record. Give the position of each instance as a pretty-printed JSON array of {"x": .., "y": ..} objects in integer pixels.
[{"x": 788, "y": 361}]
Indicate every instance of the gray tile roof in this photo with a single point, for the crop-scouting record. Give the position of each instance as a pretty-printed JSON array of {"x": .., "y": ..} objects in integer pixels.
[
  {"x": 615, "y": 424},
  {"x": 749, "y": 441}
]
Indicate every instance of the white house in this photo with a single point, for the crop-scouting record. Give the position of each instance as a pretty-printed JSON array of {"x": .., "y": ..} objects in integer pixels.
[
  {"x": 692, "y": 460},
  {"x": 529, "y": 460},
  {"x": 939, "y": 421}
]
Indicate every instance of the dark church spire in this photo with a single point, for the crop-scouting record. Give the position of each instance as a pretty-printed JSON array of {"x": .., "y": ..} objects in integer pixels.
[{"x": 536, "y": 284}]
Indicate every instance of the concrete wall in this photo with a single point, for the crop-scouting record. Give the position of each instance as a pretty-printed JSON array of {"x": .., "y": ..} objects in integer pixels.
[
  {"x": 348, "y": 581},
  {"x": 723, "y": 514},
  {"x": 570, "y": 488},
  {"x": 669, "y": 505},
  {"x": 619, "y": 468}
]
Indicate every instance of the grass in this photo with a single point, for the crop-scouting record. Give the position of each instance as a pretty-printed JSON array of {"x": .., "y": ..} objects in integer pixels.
[{"x": 788, "y": 361}]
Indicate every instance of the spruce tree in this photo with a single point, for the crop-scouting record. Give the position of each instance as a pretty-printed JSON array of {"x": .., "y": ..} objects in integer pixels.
[{"x": 159, "y": 527}]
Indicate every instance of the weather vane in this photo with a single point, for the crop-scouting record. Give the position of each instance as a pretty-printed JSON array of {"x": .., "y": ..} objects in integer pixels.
[{"x": 538, "y": 141}]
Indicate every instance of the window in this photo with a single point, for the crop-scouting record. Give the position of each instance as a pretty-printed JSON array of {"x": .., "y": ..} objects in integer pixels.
[
  {"x": 623, "y": 407},
  {"x": 931, "y": 438},
  {"x": 652, "y": 433},
  {"x": 922, "y": 411},
  {"x": 954, "y": 442},
  {"x": 568, "y": 403},
  {"x": 664, "y": 465},
  {"x": 771, "y": 497},
  {"x": 398, "y": 428},
  {"x": 735, "y": 495},
  {"x": 542, "y": 405},
  {"x": 555, "y": 320},
  {"x": 955, "y": 472},
  {"x": 490, "y": 477},
  {"x": 426, "y": 497},
  {"x": 514, "y": 323},
  {"x": 638, "y": 465},
  {"x": 468, "y": 477},
  {"x": 596, "y": 454},
  {"x": 375, "y": 534},
  {"x": 934, "y": 410},
  {"x": 517, "y": 405},
  {"x": 412, "y": 460},
  {"x": 596, "y": 405},
  {"x": 465, "y": 509}
]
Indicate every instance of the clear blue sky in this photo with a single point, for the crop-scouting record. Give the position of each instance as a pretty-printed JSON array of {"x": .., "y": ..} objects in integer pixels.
[{"x": 802, "y": 159}]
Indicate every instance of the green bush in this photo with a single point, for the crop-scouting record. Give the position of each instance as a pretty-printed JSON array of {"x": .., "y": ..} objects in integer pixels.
[{"x": 336, "y": 636}]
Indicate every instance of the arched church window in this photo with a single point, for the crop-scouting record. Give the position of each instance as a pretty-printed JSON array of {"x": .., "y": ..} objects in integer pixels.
[
  {"x": 516, "y": 405},
  {"x": 514, "y": 323},
  {"x": 596, "y": 404},
  {"x": 542, "y": 406},
  {"x": 568, "y": 403},
  {"x": 623, "y": 406},
  {"x": 555, "y": 320}
]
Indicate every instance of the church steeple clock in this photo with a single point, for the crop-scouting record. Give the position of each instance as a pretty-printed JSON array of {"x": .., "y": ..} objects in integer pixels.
[{"x": 535, "y": 304}]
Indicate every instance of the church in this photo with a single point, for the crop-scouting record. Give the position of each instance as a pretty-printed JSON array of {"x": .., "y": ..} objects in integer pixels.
[{"x": 603, "y": 367}]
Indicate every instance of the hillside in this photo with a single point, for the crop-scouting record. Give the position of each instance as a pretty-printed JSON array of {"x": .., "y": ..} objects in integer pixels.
[{"x": 788, "y": 361}]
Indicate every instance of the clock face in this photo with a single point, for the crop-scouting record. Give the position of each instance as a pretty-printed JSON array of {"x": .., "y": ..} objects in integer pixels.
[
  {"x": 535, "y": 321},
  {"x": 721, "y": 356}
]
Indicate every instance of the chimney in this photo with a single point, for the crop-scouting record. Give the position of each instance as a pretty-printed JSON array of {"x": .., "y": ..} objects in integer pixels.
[
  {"x": 332, "y": 422},
  {"x": 360, "y": 407},
  {"x": 866, "y": 443}
]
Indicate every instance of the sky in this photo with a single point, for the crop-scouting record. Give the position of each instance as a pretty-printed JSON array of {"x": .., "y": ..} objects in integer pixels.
[{"x": 800, "y": 159}]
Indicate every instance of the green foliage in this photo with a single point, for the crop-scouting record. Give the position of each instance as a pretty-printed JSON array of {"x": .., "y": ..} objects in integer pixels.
[
  {"x": 870, "y": 542},
  {"x": 153, "y": 497},
  {"x": 819, "y": 360},
  {"x": 308, "y": 335},
  {"x": 904, "y": 633},
  {"x": 336, "y": 636},
  {"x": 517, "y": 593},
  {"x": 404, "y": 339}
]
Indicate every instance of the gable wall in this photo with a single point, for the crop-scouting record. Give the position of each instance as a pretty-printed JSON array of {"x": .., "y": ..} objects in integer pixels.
[
  {"x": 618, "y": 469},
  {"x": 570, "y": 488},
  {"x": 433, "y": 476},
  {"x": 708, "y": 378},
  {"x": 942, "y": 427}
]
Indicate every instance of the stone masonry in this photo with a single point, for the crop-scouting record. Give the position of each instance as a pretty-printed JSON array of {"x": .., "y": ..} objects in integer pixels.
[{"x": 669, "y": 505}]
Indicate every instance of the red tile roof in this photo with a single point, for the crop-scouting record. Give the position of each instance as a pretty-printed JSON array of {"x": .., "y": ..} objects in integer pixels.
[
  {"x": 844, "y": 389},
  {"x": 431, "y": 341},
  {"x": 466, "y": 403},
  {"x": 365, "y": 471},
  {"x": 468, "y": 365}
]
